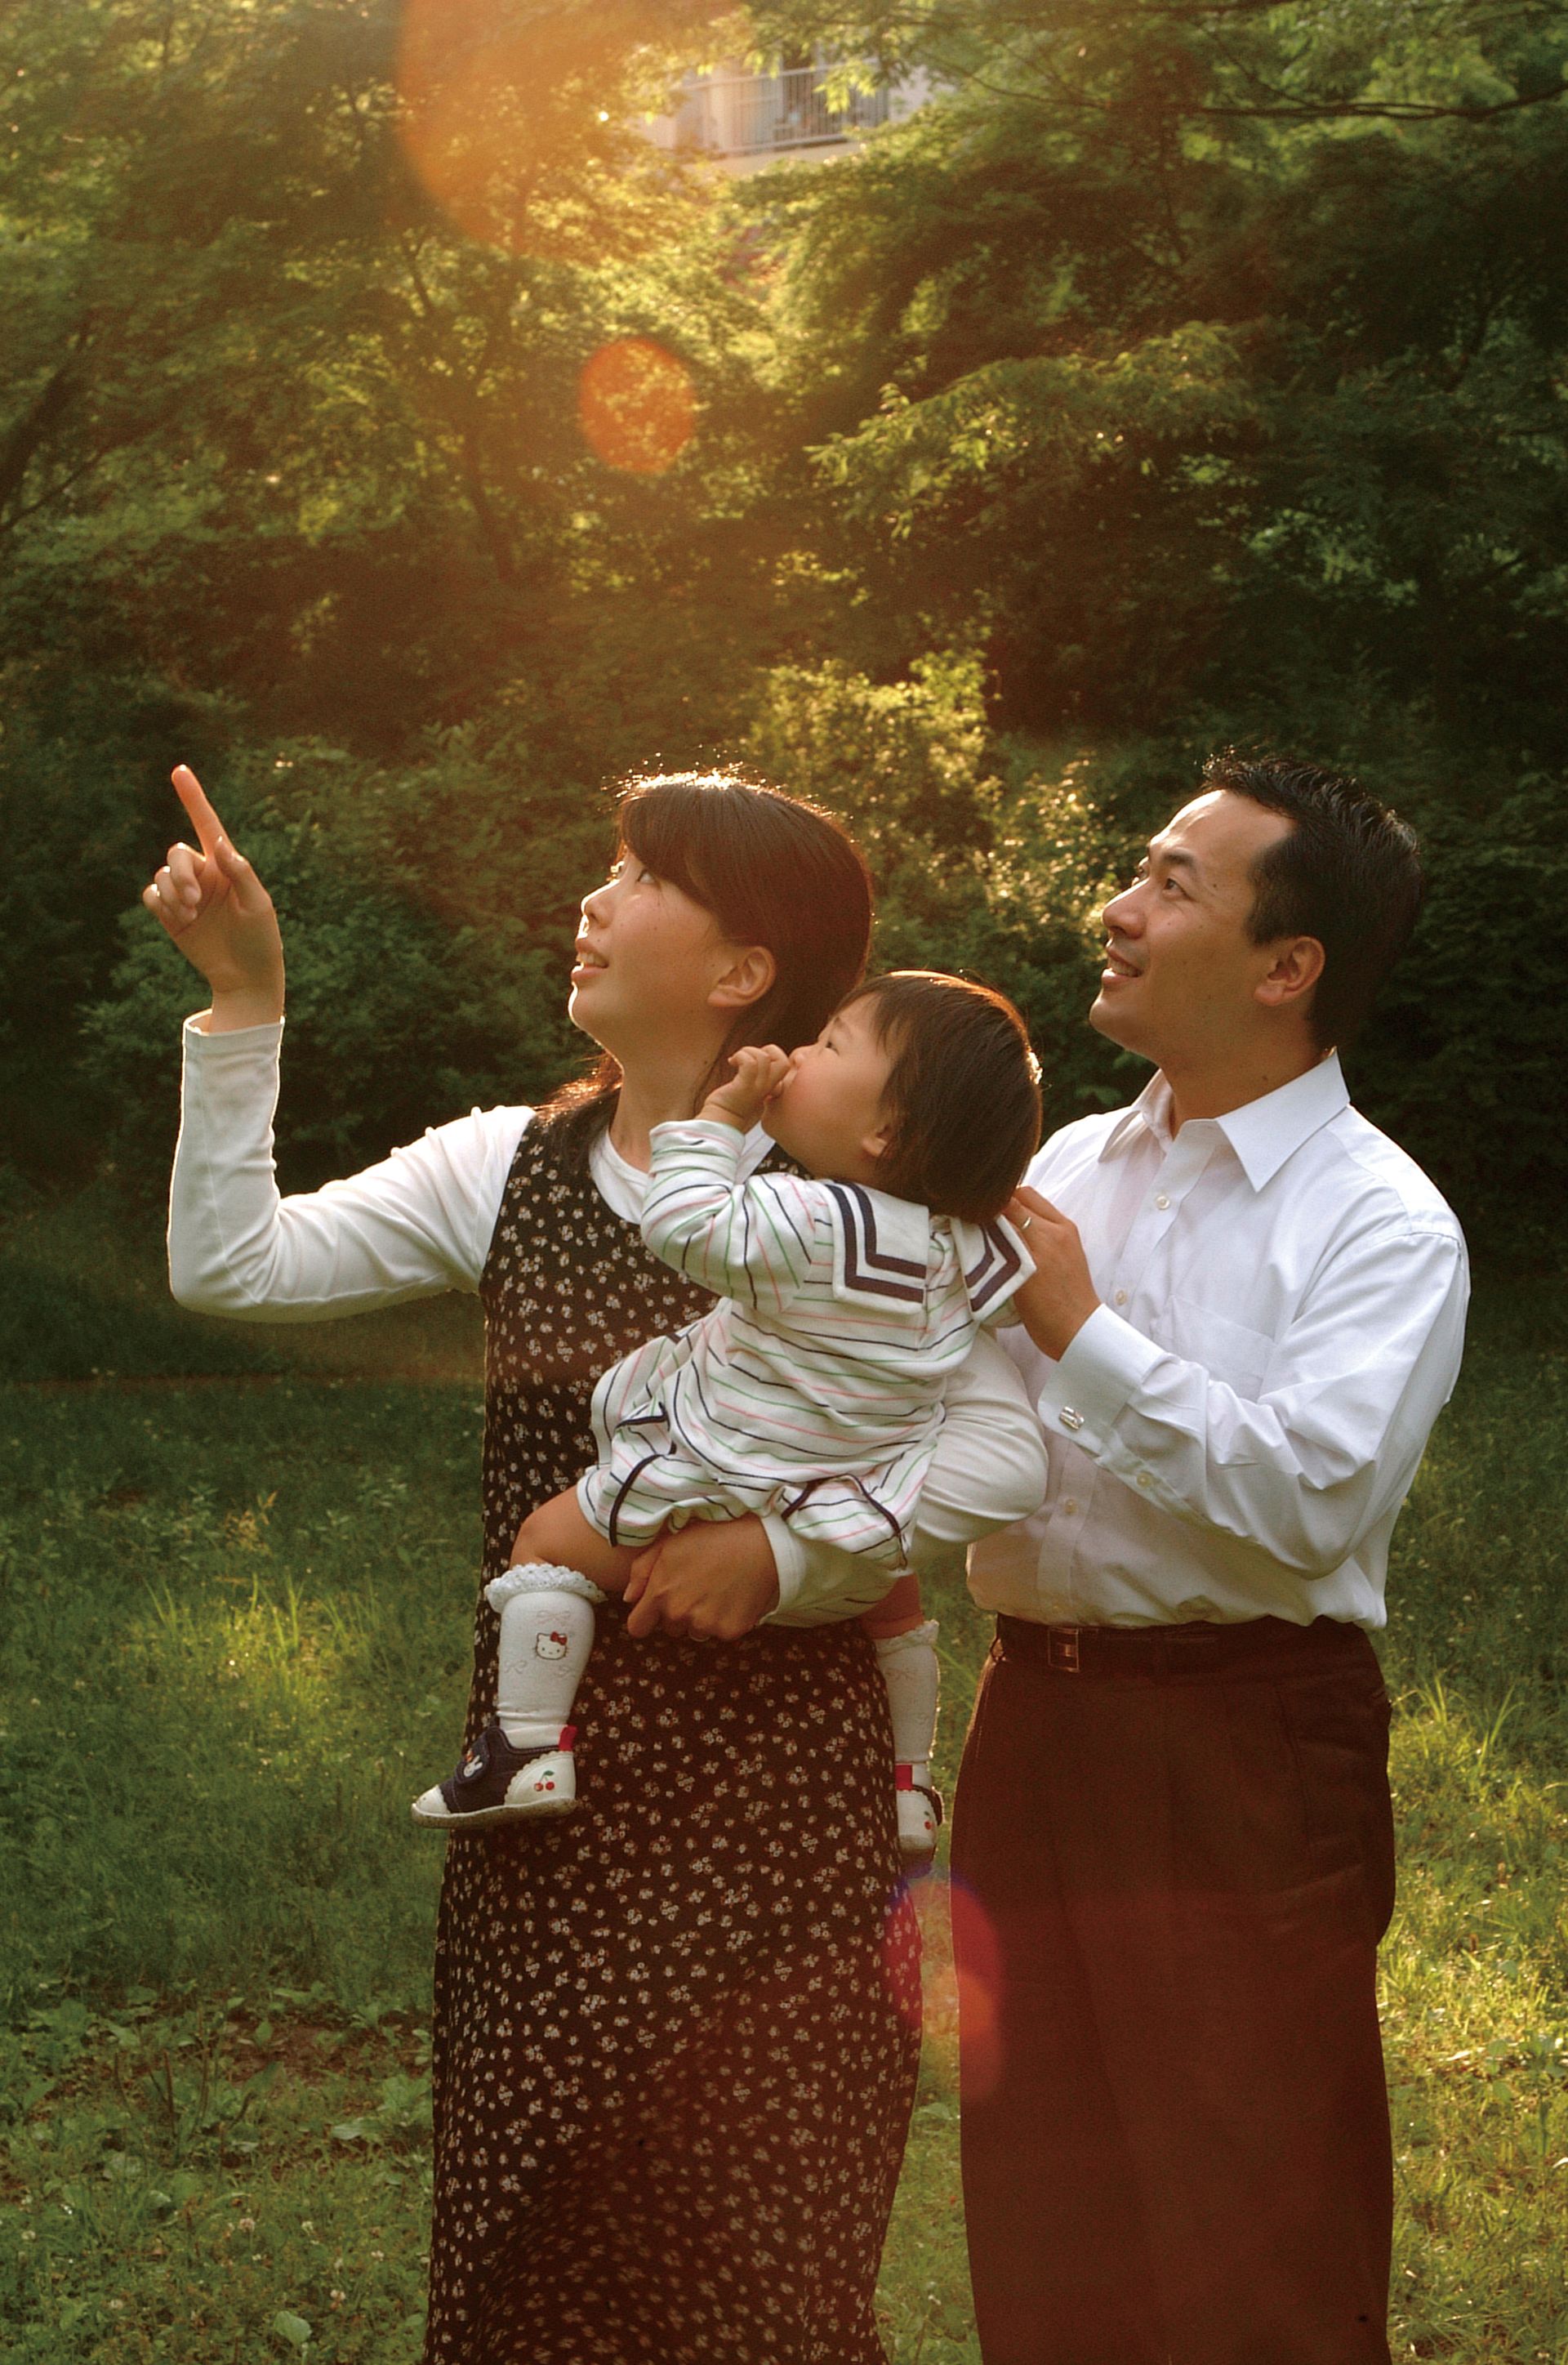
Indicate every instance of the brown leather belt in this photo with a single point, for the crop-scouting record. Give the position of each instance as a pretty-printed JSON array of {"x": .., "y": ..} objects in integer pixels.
[{"x": 1204, "y": 1647}]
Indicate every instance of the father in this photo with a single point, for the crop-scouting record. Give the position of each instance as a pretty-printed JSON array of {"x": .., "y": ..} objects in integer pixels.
[{"x": 1173, "y": 1813}]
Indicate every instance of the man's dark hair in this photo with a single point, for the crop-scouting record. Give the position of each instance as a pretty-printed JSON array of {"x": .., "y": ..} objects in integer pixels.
[
  {"x": 1348, "y": 873},
  {"x": 963, "y": 1092}
]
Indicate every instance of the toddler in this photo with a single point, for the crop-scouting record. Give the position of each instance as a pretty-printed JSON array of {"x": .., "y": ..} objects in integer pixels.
[{"x": 813, "y": 1390}]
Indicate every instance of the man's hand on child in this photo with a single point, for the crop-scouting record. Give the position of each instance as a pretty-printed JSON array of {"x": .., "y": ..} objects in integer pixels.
[
  {"x": 712, "y": 1580},
  {"x": 759, "y": 1069},
  {"x": 1059, "y": 1296}
]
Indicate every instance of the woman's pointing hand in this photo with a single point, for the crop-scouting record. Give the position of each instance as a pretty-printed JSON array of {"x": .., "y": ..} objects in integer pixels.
[{"x": 213, "y": 907}]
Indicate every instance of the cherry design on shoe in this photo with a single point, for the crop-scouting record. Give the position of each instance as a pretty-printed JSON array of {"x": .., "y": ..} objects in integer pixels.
[
  {"x": 920, "y": 1814},
  {"x": 497, "y": 1782}
]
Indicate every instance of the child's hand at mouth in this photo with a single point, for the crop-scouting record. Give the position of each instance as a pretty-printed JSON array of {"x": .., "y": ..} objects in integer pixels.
[{"x": 759, "y": 1072}]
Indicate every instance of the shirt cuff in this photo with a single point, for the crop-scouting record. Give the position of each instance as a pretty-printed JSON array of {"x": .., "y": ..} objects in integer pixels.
[
  {"x": 789, "y": 1561},
  {"x": 1086, "y": 1392}
]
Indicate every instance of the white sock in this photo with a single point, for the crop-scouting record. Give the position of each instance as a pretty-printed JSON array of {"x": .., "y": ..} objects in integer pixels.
[
  {"x": 908, "y": 1664},
  {"x": 546, "y": 1615}
]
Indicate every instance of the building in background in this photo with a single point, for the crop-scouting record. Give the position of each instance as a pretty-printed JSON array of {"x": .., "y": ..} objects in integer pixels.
[{"x": 745, "y": 121}]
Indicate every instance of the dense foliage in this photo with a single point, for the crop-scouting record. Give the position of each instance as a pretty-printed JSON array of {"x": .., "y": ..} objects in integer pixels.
[{"x": 1184, "y": 371}]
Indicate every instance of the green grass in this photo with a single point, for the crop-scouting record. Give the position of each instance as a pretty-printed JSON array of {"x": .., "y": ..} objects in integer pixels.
[{"x": 224, "y": 1603}]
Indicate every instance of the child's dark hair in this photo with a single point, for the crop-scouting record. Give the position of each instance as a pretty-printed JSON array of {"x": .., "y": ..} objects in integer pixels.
[{"x": 964, "y": 1092}]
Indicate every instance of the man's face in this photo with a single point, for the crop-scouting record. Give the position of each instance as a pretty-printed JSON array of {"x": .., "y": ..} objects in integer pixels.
[{"x": 1181, "y": 972}]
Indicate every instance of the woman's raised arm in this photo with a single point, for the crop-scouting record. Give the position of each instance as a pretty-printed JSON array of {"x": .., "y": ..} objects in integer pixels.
[
  {"x": 418, "y": 1222},
  {"x": 214, "y": 907}
]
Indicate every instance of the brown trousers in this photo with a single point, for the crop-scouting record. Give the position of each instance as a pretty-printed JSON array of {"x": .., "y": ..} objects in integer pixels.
[{"x": 1173, "y": 1860}]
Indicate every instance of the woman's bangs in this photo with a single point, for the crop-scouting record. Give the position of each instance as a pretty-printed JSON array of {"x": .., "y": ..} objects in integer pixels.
[
  {"x": 700, "y": 833},
  {"x": 663, "y": 823}
]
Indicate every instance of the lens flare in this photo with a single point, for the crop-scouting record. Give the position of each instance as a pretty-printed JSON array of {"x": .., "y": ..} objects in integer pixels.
[
  {"x": 977, "y": 1968},
  {"x": 494, "y": 107},
  {"x": 943, "y": 1968},
  {"x": 637, "y": 406}
]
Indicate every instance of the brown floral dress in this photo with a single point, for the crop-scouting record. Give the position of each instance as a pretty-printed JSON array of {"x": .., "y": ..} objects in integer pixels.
[{"x": 675, "y": 2033}]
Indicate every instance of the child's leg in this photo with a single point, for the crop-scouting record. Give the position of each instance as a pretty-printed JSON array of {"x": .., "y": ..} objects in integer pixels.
[
  {"x": 559, "y": 1532},
  {"x": 546, "y": 1633},
  {"x": 898, "y": 1612},
  {"x": 906, "y": 1656},
  {"x": 521, "y": 1763},
  {"x": 561, "y": 1568}
]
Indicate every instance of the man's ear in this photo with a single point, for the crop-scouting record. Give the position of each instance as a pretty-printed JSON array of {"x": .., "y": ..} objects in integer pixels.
[
  {"x": 748, "y": 972},
  {"x": 1295, "y": 967}
]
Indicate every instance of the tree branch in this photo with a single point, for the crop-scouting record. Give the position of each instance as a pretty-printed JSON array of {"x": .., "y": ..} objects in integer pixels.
[{"x": 1391, "y": 110}]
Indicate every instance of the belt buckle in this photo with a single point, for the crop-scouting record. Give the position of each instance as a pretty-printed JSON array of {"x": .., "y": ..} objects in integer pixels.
[{"x": 1061, "y": 1650}]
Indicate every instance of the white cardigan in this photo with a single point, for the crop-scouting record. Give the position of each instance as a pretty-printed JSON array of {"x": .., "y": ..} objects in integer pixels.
[{"x": 422, "y": 1221}]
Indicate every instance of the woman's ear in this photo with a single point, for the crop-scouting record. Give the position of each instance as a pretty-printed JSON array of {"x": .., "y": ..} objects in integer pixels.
[{"x": 749, "y": 973}]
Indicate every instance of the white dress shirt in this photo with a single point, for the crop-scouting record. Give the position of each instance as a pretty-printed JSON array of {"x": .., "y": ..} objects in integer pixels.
[
  {"x": 422, "y": 1221},
  {"x": 1232, "y": 1432}
]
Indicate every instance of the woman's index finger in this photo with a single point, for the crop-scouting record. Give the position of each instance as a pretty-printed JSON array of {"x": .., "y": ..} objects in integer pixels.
[{"x": 198, "y": 804}]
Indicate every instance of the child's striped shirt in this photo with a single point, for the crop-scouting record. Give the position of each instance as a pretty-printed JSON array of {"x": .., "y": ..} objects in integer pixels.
[{"x": 813, "y": 1390}]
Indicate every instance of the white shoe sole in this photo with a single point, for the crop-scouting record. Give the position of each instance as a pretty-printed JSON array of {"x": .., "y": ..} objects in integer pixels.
[
  {"x": 547, "y": 1785},
  {"x": 482, "y": 1817}
]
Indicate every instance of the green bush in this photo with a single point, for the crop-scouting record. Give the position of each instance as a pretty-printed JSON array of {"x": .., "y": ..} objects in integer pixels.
[
  {"x": 84, "y": 779},
  {"x": 984, "y": 861},
  {"x": 1462, "y": 1060}
]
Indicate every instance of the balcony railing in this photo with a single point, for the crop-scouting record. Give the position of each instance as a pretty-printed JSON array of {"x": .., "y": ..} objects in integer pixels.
[{"x": 750, "y": 115}]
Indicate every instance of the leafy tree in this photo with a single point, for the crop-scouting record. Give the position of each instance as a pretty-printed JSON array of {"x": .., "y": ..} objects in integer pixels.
[
  {"x": 1202, "y": 358},
  {"x": 299, "y": 296},
  {"x": 982, "y": 863},
  {"x": 304, "y": 292},
  {"x": 1186, "y": 371},
  {"x": 1198, "y": 368}
]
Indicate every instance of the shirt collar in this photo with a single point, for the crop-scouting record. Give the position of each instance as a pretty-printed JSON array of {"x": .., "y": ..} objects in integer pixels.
[{"x": 1262, "y": 1133}]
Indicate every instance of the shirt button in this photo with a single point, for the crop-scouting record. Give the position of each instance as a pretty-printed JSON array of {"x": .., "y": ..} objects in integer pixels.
[
  {"x": 1144, "y": 1480},
  {"x": 1121, "y": 1297},
  {"x": 1071, "y": 1505},
  {"x": 1161, "y": 1200}
]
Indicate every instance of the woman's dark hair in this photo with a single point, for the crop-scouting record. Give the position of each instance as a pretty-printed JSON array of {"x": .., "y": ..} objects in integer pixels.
[
  {"x": 1348, "y": 873},
  {"x": 772, "y": 870},
  {"x": 963, "y": 1093}
]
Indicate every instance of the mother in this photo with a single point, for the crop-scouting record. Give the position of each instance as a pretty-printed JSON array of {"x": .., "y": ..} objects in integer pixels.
[{"x": 674, "y": 2037}]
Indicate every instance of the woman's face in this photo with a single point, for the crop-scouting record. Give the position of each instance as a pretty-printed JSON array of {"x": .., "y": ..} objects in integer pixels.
[{"x": 648, "y": 962}]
